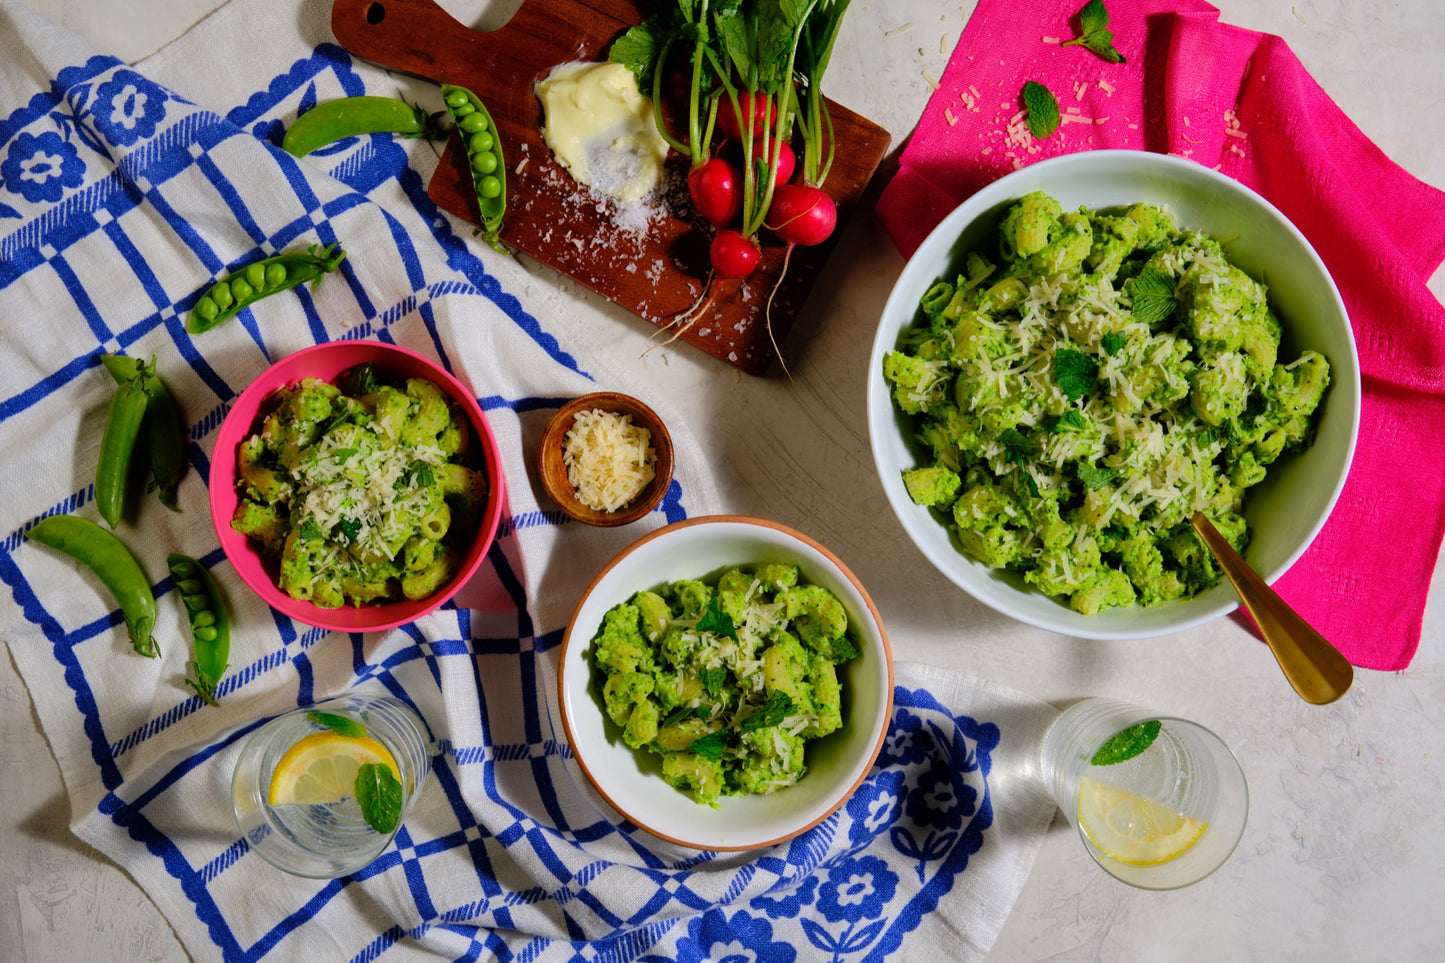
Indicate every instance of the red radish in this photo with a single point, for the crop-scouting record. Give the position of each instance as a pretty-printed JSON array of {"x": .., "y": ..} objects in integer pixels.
[
  {"x": 716, "y": 191},
  {"x": 802, "y": 214},
  {"x": 787, "y": 163},
  {"x": 733, "y": 255},
  {"x": 755, "y": 105}
]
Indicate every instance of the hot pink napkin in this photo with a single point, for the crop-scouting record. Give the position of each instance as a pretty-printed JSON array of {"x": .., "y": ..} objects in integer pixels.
[{"x": 1241, "y": 102}]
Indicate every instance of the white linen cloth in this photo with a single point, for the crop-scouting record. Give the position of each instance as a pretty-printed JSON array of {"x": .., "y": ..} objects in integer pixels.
[{"x": 123, "y": 192}]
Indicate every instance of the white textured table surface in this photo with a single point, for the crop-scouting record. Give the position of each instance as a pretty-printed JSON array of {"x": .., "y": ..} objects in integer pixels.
[{"x": 1342, "y": 857}]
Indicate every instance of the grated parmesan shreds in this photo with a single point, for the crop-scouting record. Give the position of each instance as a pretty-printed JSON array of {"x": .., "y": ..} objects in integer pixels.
[{"x": 609, "y": 460}]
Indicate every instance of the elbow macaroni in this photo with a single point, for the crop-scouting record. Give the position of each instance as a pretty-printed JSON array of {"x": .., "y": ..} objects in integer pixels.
[{"x": 360, "y": 495}]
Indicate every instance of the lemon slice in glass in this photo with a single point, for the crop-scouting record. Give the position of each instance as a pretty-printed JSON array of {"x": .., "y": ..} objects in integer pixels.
[
  {"x": 1131, "y": 828},
  {"x": 321, "y": 769}
]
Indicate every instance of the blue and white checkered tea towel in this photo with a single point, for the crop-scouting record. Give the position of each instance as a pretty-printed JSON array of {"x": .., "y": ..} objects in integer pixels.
[{"x": 120, "y": 197}]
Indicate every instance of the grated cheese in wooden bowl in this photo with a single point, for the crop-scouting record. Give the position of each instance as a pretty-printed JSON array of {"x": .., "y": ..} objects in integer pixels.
[{"x": 609, "y": 460}]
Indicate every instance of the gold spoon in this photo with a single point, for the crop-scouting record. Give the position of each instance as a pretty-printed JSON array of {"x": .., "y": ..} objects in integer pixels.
[{"x": 1316, "y": 669}]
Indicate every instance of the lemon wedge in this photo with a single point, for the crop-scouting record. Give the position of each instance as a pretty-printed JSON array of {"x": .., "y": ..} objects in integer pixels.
[
  {"x": 321, "y": 769},
  {"x": 1131, "y": 828}
]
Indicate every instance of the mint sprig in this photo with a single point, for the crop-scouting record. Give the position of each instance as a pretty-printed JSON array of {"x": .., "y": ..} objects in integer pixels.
[
  {"x": 378, "y": 793},
  {"x": 1043, "y": 109},
  {"x": 715, "y": 619},
  {"x": 1096, "y": 35},
  {"x": 1127, "y": 743}
]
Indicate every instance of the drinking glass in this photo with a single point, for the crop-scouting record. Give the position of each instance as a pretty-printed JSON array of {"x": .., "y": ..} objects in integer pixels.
[
  {"x": 1163, "y": 818},
  {"x": 325, "y": 840}
]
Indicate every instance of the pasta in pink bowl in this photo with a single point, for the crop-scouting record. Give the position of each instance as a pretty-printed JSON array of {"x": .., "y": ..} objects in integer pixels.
[{"x": 356, "y": 486}]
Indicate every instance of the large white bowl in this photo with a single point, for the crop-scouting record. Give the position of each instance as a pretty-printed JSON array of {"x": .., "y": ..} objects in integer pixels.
[
  {"x": 630, "y": 779},
  {"x": 1285, "y": 511}
]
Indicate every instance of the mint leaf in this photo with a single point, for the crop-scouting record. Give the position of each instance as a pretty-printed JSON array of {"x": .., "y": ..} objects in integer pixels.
[
  {"x": 378, "y": 793},
  {"x": 350, "y": 528},
  {"x": 1017, "y": 446},
  {"x": 778, "y": 706},
  {"x": 1114, "y": 342},
  {"x": 1096, "y": 35},
  {"x": 715, "y": 620},
  {"x": 1075, "y": 372},
  {"x": 340, "y": 725},
  {"x": 1152, "y": 295},
  {"x": 1102, "y": 43},
  {"x": 712, "y": 745},
  {"x": 1070, "y": 421},
  {"x": 310, "y": 531},
  {"x": 1127, "y": 743},
  {"x": 342, "y": 454},
  {"x": 1093, "y": 17},
  {"x": 1094, "y": 478},
  {"x": 678, "y": 715},
  {"x": 1043, "y": 109}
]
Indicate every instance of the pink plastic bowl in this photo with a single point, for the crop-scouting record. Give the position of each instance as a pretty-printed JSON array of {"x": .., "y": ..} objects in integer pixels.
[{"x": 328, "y": 361}]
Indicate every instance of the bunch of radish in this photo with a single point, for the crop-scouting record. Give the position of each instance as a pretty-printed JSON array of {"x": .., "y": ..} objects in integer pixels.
[{"x": 755, "y": 71}]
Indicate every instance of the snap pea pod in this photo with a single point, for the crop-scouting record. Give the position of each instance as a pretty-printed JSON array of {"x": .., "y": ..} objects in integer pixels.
[
  {"x": 259, "y": 279},
  {"x": 209, "y": 620},
  {"x": 112, "y": 563},
  {"x": 161, "y": 428},
  {"x": 117, "y": 447},
  {"x": 350, "y": 116},
  {"x": 484, "y": 155}
]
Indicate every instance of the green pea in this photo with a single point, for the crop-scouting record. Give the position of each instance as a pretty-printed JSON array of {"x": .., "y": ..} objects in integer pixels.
[
  {"x": 456, "y": 98},
  {"x": 275, "y": 274},
  {"x": 207, "y": 308},
  {"x": 471, "y": 123},
  {"x": 256, "y": 275},
  {"x": 484, "y": 163},
  {"x": 190, "y": 586},
  {"x": 203, "y": 633},
  {"x": 203, "y": 618},
  {"x": 241, "y": 289},
  {"x": 462, "y": 110},
  {"x": 107, "y": 557},
  {"x": 481, "y": 142},
  {"x": 489, "y": 187},
  {"x": 221, "y": 297},
  {"x": 194, "y": 603}
]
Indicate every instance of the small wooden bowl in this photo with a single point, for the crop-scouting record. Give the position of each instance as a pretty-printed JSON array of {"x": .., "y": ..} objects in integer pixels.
[{"x": 554, "y": 473}]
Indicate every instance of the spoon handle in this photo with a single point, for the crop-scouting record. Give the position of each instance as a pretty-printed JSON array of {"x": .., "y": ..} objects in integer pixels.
[{"x": 1314, "y": 667}]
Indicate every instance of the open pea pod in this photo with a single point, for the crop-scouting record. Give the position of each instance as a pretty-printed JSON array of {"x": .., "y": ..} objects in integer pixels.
[
  {"x": 259, "y": 279},
  {"x": 209, "y": 621},
  {"x": 484, "y": 155}
]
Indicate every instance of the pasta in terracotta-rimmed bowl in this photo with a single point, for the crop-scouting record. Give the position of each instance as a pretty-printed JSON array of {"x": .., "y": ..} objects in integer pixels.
[{"x": 356, "y": 486}]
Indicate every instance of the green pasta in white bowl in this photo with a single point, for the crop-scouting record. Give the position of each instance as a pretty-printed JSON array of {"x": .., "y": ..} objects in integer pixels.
[{"x": 1085, "y": 353}]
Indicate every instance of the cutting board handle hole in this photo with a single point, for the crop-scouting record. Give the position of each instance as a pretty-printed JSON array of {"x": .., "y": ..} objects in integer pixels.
[{"x": 375, "y": 14}]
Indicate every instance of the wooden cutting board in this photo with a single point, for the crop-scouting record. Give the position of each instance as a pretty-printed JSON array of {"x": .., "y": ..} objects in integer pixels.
[{"x": 657, "y": 272}]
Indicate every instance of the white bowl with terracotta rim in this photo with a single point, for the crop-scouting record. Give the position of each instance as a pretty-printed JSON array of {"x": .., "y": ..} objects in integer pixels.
[{"x": 630, "y": 780}]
